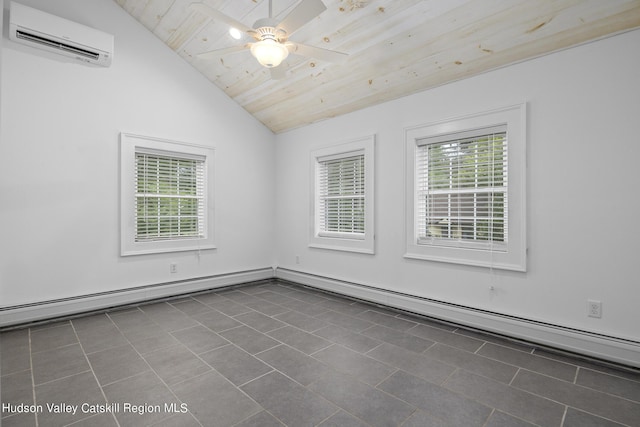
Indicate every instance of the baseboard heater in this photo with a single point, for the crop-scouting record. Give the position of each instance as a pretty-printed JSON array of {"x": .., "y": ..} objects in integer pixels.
[
  {"x": 600, "y": 346},
  {"x": 27, "y": 313}
]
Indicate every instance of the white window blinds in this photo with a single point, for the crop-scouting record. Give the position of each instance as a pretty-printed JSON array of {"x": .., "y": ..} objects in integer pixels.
[
  {"x": 341, "y": 188},
  {"x": 169, "y": 197},
  {"x": 462, "y": 189}
]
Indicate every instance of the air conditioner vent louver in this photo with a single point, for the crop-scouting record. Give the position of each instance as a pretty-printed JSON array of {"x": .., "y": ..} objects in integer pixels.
[
  {"x": 56, "y": 44},
  {"x": 48, "y": 32}
]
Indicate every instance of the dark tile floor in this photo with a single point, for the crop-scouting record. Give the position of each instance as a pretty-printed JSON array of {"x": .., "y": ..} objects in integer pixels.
[{"x": 274, "y": 354}]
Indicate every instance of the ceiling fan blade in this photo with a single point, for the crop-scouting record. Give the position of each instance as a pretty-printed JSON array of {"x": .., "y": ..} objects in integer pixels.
[
  {"x": 304, "y": 12},
  {"x": 318, "y": 53},
  {"x": 213, "y": 54},
  {"x": 279, "y": 72},
  {"x": 219, "y": 16}
]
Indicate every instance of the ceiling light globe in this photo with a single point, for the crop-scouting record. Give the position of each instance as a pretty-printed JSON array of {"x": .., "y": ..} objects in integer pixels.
[{"x": 269, "y": 53}]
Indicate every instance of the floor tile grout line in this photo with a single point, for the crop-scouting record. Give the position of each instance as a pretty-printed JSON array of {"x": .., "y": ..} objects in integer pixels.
[
  {"x": 366, "y": 353},
  {"x": 264, "y": 375},
  {"x": 596, "y": 415},
  {"x": 200, "y": 375},
  {"x": 408, "y": 331},
  {"x": 49, "y": 325},
  {"x": 55, "y": 348},
  {"x": 577, "y": 367},
  {"x": 511, "y": 364},
  {"x": 597, "y": 365},
  {"x": 338, "y": 409},
  {"x": 33, "y": 377},
  {"x": 394, "y": 371},
  {"x": 424, "y": 352},
  {"x": 515, "y": 375},
  {"x": 15, "y": 372},
  {"x": 253, "y": 415},
  {"x": 154, "y": 372},
  {"x": 63, "y": 378},
  {"x": 521, "y": 368},
  {"x": 610, "y": 375},
  {"x": 474, "y": 399},
  {"x": 260, "y": 376},
  {"x": 288, "y": 325},
  {"x": 324, "y": 348},
  {"x": 493, "y": 411},
  {"x": 95, "y": 377},
  {"x": 263, "y": 351},
  {"x": 331, "y": 344},
  {"x": 564, "y": 415},
  {"x": 298, "y": 383},
  {"x": 480, "y": 348},
  {"x": 446, "y": 332},
  {"x": 360, "y": 382},
  {"x": 453, "y": 372},
  {"x": 124, "y": 378},
  {"x": 415, "y": 408},
  {"x": 568, "y": 405},
  {"x": 274, "y": 369}
]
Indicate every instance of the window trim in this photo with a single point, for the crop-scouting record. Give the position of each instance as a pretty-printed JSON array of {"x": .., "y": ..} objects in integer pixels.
[
  {"x": 338, "y": 240},
  {"x": 513, "y": 257},
  {"x": 131, "y": 144}
]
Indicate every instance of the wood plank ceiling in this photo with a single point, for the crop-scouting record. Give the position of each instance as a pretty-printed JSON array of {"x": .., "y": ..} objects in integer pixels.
[{"x": 395, "y": 47}]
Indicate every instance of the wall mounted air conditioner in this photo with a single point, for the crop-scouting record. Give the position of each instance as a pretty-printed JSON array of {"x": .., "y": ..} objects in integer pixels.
[{"x": 54, "y": 34}]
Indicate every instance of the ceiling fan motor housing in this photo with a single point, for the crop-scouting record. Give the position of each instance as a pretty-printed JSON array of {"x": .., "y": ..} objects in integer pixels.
[{"x": 267, "y": 28}]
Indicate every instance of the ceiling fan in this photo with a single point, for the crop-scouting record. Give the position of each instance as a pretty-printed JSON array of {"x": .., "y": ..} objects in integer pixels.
[{"x": 272, "y": 45}]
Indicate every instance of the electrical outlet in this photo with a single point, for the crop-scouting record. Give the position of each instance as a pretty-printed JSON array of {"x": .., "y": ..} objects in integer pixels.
[
  {"x": 297, "y": 259},
  {"x": 594, "y": 309},
  {"x": 173, "y": 267}
]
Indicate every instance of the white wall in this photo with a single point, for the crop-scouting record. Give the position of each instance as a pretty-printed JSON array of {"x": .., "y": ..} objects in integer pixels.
[
  {"x": 583, "y": 209},
  {"x": 59, "y": 179}
]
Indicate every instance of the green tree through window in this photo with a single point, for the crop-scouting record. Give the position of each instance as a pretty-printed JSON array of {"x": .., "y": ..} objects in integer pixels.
[
  {"x": 169, "y": 197},
  {"x": 463, "y": 187}
]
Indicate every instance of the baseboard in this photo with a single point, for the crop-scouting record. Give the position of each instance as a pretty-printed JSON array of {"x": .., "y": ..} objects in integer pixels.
[
  {"x": 609, "y": 348},
  {"x": 26, "y": 313}
]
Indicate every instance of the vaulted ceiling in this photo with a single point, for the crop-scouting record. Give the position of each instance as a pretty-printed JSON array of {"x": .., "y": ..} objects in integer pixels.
[{"x": 395, "y": 47}]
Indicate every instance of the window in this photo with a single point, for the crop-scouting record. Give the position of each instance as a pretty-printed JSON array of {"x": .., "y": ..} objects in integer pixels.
[
  {"x": 166, "y": 197},
  {"x": 342, "y": 188},
  {"x": 466, "y": 189},
  {"x": 169, "y": 197},
  {"x": 341, "y": 196},
  {"x": 462, "y": 189}
]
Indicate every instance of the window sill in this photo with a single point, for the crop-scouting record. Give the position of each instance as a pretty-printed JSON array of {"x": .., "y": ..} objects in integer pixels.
[
  {"x": 143, "y": 248},
  {"x": 464, "y": 256},
  {"x": 347, "y": 245}
]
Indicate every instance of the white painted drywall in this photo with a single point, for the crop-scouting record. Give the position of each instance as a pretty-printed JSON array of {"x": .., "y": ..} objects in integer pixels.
[
  {"x": 59, "y": 179},
  {"x": 583, "y": 177}
]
